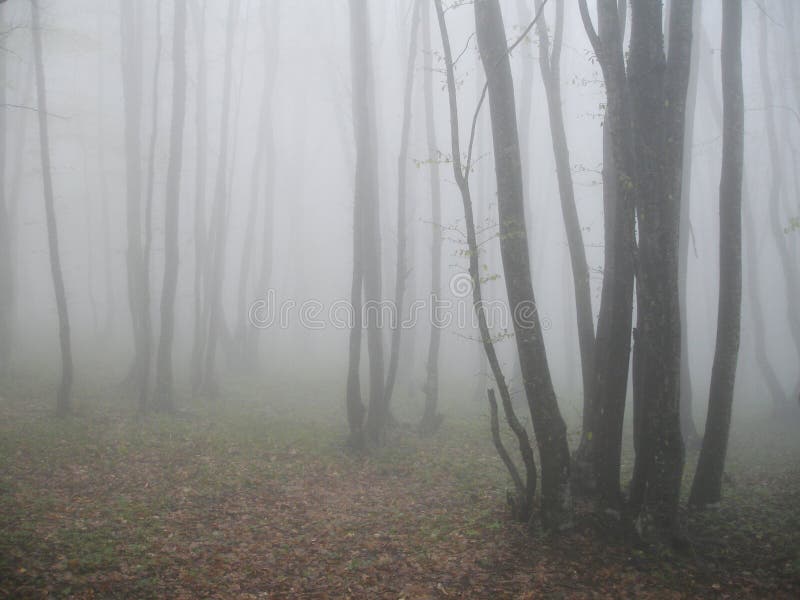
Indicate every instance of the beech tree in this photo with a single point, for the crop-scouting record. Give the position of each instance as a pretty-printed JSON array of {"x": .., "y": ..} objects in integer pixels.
[
  {"x": 707, "y": 483},
  {"x": 366, "y": 240},
  {"x": 64, "y": 397},
  {"x": 163, "y": 395}
]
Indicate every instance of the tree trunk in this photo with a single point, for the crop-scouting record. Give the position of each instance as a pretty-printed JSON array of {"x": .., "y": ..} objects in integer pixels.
[
  {"x": 6, "y": 273},
  {"x": 659, "y": 87},
  {"x": 547, "y": 421},
  {"x": 522, "y": 503},
  {"x": 550, "y": 65},
  {"x": 200, "y": 227},
  {"x": 707, "y": 484},
  {"x": 613, "y": 338},
  {"x": 401, "y": 271},
  {"x": 64, "y": 399},
  {"x": 163, "y": 396},
  {"x": 690, "y": 435},
  {"x": 131, "y": 41},
  {"x": 431, "y": 419},
  {"x": 219, "y": 220},
  {"x": 778, "y": 219},
  {"x": 366, "y": 196},
  {"x": 147, "y": 325}
]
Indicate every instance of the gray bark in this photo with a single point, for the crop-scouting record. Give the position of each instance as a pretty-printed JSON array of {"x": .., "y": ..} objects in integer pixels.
[
  {"x": 707, "y": 483},
  {"x": 163, "y": 395},
  {"x": 64, "y": 398},
  {"x": 547, "y": 421}
]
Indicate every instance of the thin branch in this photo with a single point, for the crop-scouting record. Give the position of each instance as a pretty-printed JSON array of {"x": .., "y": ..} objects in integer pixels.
[{"x": 34, "y": 109}]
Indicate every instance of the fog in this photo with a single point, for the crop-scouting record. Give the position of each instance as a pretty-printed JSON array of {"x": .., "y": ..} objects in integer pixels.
[{"x": 261, "y": 170}]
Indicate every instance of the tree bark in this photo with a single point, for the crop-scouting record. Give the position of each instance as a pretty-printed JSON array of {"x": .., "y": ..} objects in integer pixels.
[
  {"x": 547, "y": 421},
  {"x": 366, "y": 196},
  {"x": 200, "y": 227},
  {"x": 401, "y": 270},
  {"x": 522, "y": 503},
  {"x": 613, "y": 337},
  {"x": 219, "y": 221},
  {"x": 659, "y": 87},
  {"x": 707, "y": 483},
  {"x": 164, "y": 395},
  {"x": 131, "y": 42},
  {"x": 431, "y": 419},
  {"x": 64, "y": 398},
  {"x": 690, "y": 435},
  {"x": 550, "y": 66}
]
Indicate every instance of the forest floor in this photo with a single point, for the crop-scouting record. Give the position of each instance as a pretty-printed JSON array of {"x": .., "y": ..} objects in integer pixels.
[{"x": 249, "y": 504}]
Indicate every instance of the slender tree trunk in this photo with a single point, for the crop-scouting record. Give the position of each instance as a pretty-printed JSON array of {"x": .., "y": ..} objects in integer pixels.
[
  {"x": 6, "y": 273},
  {"x": 431, "y": 419},
  {"x": 64, "y": 399},
  {"x": 366, "y": 192},
  {"x": 219, "y": 221},
  {"x": 690, "y": 435},
  {"x": 263, "y": 163},
  {"x": 522, "y": 503},
  {"x": 551, "y": 434},
  {"x": 131, "y": 41},
  {"x": 200, "y": 228},
  {"x": 550, "y": 65},
  {"x": 401, "y": 271},
  {"x": 707, "y": 484},
  {"x": 778, "y": 219},
  {"x": 147, "y": 325},
  {"x": 164, "y": 396},
  {"x": 613, "y": 338}
]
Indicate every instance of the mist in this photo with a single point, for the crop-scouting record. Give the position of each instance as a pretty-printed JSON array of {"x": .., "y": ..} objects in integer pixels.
[{"x": 409, "y": 298}]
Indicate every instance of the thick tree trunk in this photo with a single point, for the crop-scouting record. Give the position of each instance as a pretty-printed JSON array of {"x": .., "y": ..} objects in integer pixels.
[
  {"x": 658, "y": 91},
  {"x": 401, "y": 270},
  {"x": 366, "y": 196},
  {"x": 64, "y": 399},
  {"x": 163, "y": 396},
  {"x": 707, "y": 484},
  {"x": 550, "y": 65},
  {"x": 431, "y": 419},
  {"x": 547, "y": 421},
  {"x": 219, "y": 221},
  {"x": 613, "y": 338}
]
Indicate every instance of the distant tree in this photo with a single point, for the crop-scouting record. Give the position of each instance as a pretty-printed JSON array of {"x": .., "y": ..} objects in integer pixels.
[
  {"x": 218, "y": 232},
  {"x": 262, "y": 183},
  {"x": 777, "y": 191},
  {"x": 147, "y": 325},
  {"x": 7, "y": 282},
  {"x": 64, "y": 398},
  {"x": 200, "y": 313},
  {"x": 431, "y": 418},
  {"x": 690, "y": 436},
  {"x": 707, "y": 483},
  {"x": 401, "y": 269},
  {"x": 131, "y": 50},
  {"x": 163, "y": 395}
]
